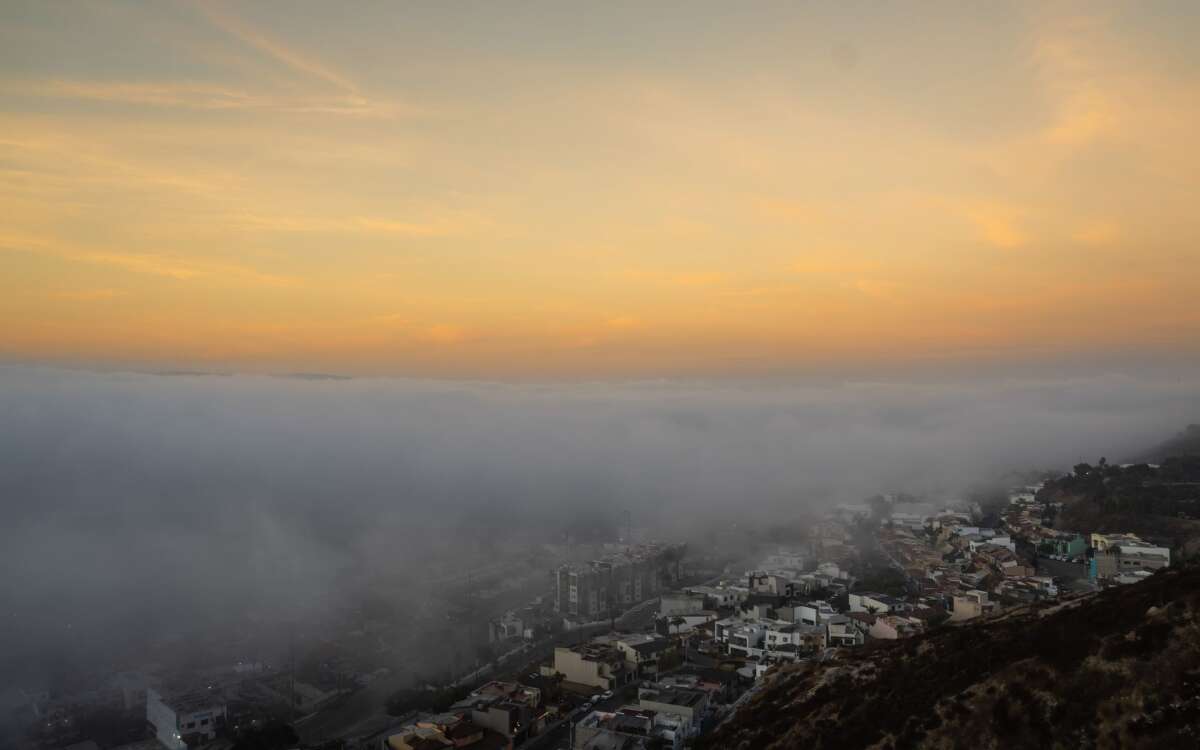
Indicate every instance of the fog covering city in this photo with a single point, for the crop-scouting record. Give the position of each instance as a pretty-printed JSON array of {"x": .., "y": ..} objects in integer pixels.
[{"x": 144, "y": 509}]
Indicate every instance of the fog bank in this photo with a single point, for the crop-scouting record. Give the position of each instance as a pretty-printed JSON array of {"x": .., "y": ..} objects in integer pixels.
[{"x": 133, "y": 500}]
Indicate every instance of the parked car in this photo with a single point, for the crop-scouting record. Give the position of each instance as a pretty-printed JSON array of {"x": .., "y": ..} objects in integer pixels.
[
  {"x": 585, "y": 708},
  {"x": 596, "y": 698},
  {"x": 607, "y": 694}
]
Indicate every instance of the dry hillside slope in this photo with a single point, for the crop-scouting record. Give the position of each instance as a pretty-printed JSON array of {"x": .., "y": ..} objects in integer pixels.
[{"x": 1119, "y": 669}]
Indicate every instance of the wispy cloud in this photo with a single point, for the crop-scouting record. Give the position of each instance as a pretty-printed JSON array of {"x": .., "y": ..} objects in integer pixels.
[
  {"x": 998, "y": 225},
  {"x": 1097, "y": 233},
  {"x": 154, "y": 264},
  {"x": 846, "y": 265},
  {"x": 197, "y": 96},
  {"x": 275, "y": 49},
  {"x": 876, "y": 288},
  {"x": 88, "y": 295},
  {"x": 699, "y": 278},
  {"x": 358, "y": 224},
  {"x": 183, "y": 269},
  {"x": 794, "y": 212},
  {"x": 444, "y": 334},
  {"x": 622, "y": 322}
]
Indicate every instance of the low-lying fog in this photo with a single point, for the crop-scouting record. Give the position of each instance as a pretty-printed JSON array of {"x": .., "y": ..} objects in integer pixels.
[{"x": 132, "y": 502}]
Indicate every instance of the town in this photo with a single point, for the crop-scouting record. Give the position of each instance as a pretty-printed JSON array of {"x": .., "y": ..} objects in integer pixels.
[{"x": 635, "y": 644}]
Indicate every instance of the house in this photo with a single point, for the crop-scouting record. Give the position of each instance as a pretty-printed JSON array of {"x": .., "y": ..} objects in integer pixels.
[
  {"x": 758, "y": 606},
  {"x": 512, "y": 691},
  {"x": 1003, "y": 561},
  {"x": 1004, "y": 541},
  {"x": 841, "y": 631},
  {"x": 1114, "y": 554},
  {"x": 680, "y": 603},
  {"x": 891, "y": 627},
  {"x": 178, "y": 718},
  {"x": 910, "y": 521},
  {"x": 1063, "y": 545},
  {"x": 599, "y": 665},
  {"x": 506, "y": 708},
  {"x": 680, "y": 624},
  {"x": 813, "y": 613},
  {"x": 445, "y": 732},
  {"x": 1134, "y": 547},
  {"x": 642, "y": 653},
  {"x": 628, "y": 728},
  {"x": 968, "y": 605},
  {"x": 771, "y": 584},
  {"x": 416, "y": 738},
  {"x": 869, "y": 602},
  {"x": 718, "y": 684},
  {"x": 1103, "y": 542},
  {"x": 746, "y": 638},
  {"x": 686, "y": 702},
  {"x": 508, "y": 718},
  {"x": 507, "y": 627},
  {"x": 789, "y": 641},
  {"x": 1026, "y": 589},
  {"x": 720, "y": 597}
]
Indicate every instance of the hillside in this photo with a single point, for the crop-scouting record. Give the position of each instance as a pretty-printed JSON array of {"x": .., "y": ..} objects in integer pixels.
[{"x": 1116, "y": 669}]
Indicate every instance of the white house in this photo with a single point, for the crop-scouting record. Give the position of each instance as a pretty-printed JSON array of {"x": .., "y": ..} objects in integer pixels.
[
  {"x": 182, "y": 716},
  {"x": 746, "y": 638},
  {"x": 869, "y": 602},
  {"x": 813, "y": 613},
  {"x": 841, "y": 631}
]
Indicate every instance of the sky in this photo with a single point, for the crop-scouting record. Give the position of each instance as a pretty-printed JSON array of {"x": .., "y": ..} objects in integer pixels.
[{"x": 495, "y": 190}]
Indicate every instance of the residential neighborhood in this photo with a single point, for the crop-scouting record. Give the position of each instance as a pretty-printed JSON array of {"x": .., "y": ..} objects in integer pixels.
[{"x": 653, "y": 644}]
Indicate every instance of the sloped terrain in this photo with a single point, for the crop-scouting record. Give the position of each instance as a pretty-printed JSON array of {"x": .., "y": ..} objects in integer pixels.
[
  {"x": 1119, "y": 669},
  {"x": 1186, "y": 443}
]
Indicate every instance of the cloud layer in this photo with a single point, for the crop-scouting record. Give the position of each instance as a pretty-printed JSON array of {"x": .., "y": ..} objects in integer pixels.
[{"x": 133, "y": 500}]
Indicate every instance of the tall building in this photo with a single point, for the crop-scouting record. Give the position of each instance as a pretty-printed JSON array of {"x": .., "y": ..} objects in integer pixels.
[{"x": 614, "y": 583}]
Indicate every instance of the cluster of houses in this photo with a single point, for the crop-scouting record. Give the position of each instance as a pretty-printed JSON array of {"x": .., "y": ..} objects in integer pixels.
[
  {"x": 667, "y": 714},
  {"x": 712, "y": 641},
  {"x": 973, "y": 570},
  {"x": 785, "y": 610},
  {"x": 709, "y": 642},
  {"x": 1099, "y": 559},
  {"x": 669, "y": 709},
  {"x": 495, "y": 716},
  {"x": 959, "y": 565}
]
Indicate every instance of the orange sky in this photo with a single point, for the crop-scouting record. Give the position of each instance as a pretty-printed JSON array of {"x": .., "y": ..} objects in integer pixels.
[{"x": 530, "y": 189}]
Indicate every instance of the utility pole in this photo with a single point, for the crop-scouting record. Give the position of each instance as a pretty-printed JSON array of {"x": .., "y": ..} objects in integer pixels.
[
  {"x": 292, "y": 659},
  {"x": 612, "y": 612}
]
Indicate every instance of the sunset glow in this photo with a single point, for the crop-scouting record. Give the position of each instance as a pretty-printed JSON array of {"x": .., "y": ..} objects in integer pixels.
[{"x": 600, "y": 190}]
